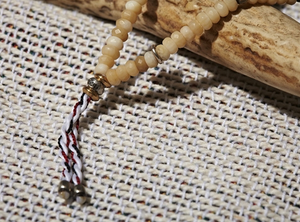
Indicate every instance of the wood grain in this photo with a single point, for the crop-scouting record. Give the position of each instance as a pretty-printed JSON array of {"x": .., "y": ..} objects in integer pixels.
[{"x": 259, "y": 41}]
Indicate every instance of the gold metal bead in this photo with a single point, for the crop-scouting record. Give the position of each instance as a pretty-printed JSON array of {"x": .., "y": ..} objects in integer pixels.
[
  {"x": 91, "y": 93},
  {"x": 96, "y": 85},
  {"x": 64, "y": 189},
  {"x": 79, "y": 194},
  {"x": 103, "y": 80}
]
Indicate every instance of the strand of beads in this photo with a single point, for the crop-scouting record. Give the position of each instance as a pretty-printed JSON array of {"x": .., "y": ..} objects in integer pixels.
[
  {"x": 170, "y": 45},
  {"x": 115, "y": 43},
  {"x": 178, "y": 39}
]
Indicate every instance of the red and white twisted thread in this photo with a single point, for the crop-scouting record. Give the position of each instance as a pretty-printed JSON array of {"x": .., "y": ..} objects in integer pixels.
[{"x": 68, "y": 142}]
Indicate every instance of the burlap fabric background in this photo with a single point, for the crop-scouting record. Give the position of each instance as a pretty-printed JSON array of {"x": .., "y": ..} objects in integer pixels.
[{"x": 186, "y": 141}]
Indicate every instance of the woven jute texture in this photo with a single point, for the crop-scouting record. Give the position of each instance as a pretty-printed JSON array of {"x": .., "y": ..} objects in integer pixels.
[{"x": 187, "y": 141}]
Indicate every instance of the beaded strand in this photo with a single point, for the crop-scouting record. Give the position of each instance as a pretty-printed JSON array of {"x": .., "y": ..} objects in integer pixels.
[
  {"x": 105, "y": 76},
  {"x": 170, "y": 45}
]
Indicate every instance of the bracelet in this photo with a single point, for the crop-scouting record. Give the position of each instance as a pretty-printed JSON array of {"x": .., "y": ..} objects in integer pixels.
[{"x": 105, "y": 77}]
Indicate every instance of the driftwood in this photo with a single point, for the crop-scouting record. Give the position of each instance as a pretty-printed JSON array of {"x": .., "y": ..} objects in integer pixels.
[{"x": 258, "y": 41}]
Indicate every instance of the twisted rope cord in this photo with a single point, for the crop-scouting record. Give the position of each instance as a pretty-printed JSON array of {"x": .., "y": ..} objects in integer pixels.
[{"x": 68, "y": 142}]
